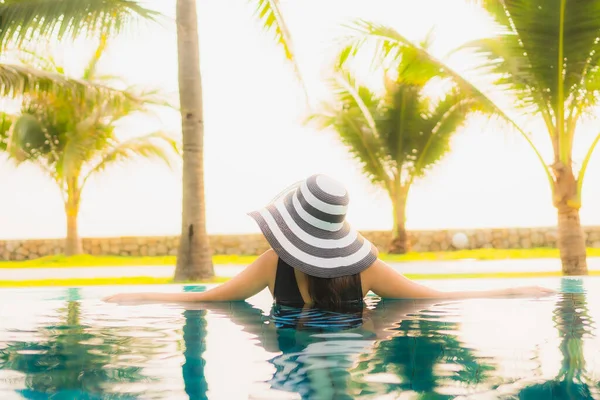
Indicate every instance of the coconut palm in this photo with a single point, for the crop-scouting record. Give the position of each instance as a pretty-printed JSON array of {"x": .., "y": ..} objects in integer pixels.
[
  {"x": 72, "y": 141},
  {"x": 194, "y": 258},
  {"x": 547, "y": 58},
  {"x": 25, "y": 21},
  {"x": 400, "y": 135}
]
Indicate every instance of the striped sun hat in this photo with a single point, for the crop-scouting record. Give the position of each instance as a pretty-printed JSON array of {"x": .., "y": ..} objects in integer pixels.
[{"x": 306, "y": 226}]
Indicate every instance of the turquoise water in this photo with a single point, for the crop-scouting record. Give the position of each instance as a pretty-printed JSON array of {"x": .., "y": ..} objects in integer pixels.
[{"x": 68, "y": 344}]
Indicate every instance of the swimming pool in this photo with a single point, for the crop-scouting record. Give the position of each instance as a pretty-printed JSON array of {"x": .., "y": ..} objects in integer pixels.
[{"x": 68, "y": 344}]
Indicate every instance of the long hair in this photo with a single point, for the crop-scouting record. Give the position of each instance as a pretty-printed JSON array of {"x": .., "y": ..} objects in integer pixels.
[{"x": 329, "y": 292}]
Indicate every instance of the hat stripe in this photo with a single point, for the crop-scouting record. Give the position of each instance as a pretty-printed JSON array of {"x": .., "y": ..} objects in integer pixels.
[
  {"x": 281, "y": 214},
  {"x": 298, "y": 254},
  {"x": 310, "y": 229},
  {"x": 311, "y": 245},
  {"x": 320, "y": 205},
  {"x": 317, "y": 213},
  {"x": 322, "y": 195},
  {"x": 327, "y": 226},
  {"x": 311, "y": 269}
]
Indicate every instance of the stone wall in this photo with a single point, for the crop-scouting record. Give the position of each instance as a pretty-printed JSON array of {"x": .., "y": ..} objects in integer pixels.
[{"x": 255, "y": 243}]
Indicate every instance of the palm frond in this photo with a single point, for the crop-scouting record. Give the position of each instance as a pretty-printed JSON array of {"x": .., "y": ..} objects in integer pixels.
[
  {"x": 445, "y": 120},
  {"x": 18, "y": 80},
  {"x": 402, "y": 120},
  {"x": 541, "y": 25},
  {"x": 389, "y": 40},
  {"x": 345, "y": 88},
  {"x": 24, "y": 20},
  {"x": 504, "y": 57},
  {"x": 269, "y": 14},
  {"x": 584, "y": 166},
  {"x": 6, "y": 122},
  {"x": 89, "y": 74},
  {"x": 42, "y": 62},
  {"x": 143, "y": 97},
  {"x": 81, "y": 142},
  {"x": 560, "y": 43},
  {"x": 352, "y": 115},
  {"x": 157, "y": 145}
]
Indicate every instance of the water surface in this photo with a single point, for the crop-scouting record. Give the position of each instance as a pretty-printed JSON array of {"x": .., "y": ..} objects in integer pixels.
[{"x": 68, "y": 344}]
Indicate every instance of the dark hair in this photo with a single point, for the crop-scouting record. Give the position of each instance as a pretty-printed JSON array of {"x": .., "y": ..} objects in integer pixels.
[{"x": 329, "y": 292}]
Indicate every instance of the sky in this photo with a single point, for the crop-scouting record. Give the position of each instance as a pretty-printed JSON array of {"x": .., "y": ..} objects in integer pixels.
[{"x": 256, "y": 142}]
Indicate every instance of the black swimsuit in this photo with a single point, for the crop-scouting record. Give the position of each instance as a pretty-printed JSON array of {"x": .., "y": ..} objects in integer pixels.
[{"x": 287, "y": 291}]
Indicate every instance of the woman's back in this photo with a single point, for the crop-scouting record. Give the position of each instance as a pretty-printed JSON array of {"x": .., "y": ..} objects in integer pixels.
[{"x": 295, "y": 288}]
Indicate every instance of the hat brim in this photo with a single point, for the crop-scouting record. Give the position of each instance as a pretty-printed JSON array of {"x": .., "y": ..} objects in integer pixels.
[{"x": 314, "y": 251}]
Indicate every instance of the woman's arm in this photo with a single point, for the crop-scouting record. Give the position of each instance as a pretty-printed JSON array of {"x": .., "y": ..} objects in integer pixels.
[
  {"x": 384, "y": 281},
  {"x": 247, "y": 283}
]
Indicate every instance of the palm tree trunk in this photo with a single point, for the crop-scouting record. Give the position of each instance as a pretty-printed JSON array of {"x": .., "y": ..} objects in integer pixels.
[
  {"x": 73, "y": 244},
  {"x": 571, "y": 239},
  {"x": 399, "y": 244},
  {"x": 571, "y": 242},
  {"x": 194, "y": 259}
]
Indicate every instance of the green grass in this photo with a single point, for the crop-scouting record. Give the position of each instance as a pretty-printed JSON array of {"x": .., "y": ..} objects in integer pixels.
[
  {"x": 482, "y": 254},
  {"x": 134, "y": 280},
  {"x": 145, "y": 280},
  {"x": 60, "y": 261}
]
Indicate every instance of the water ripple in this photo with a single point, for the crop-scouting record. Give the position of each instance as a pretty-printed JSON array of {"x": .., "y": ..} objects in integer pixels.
[{"x": 69, "y": 345}]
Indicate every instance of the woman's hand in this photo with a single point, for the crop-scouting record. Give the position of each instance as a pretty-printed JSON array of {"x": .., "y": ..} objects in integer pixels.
[
  {"x": 530, "y": 291},
  {"x": 126, "y": 297}
]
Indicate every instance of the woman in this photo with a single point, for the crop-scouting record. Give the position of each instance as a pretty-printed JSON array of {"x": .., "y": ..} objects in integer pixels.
[{"x": 317, "y": 259}]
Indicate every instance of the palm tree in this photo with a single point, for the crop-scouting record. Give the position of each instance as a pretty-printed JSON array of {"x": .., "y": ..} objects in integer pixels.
[
  {"x": 400, "y": 135},
  {"x": 194, "y": 258},
  {"x": 24, "y": 21},
  {"x": 547, "y": 58},
  {"x": 72, "y": 141}
]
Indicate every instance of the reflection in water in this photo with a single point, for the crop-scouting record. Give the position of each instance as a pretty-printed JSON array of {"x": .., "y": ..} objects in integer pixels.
[
  {"x": 90, "y": 350},
  {"x": 72, "y": 359},
  {"x": 318, "y": 349},
  {"x": 573, "y": 322},
  {"x": 329, "y": 355},
  {"x": 194, "y": 334},
  {"x": 423, "y": 354}
]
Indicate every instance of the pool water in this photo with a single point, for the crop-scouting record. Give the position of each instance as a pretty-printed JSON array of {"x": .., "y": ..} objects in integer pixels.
[{"x": 67, "y": 344}]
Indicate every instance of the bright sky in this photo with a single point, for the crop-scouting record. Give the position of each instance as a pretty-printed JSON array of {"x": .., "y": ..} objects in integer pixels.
[{"x": 256, "y": 143}]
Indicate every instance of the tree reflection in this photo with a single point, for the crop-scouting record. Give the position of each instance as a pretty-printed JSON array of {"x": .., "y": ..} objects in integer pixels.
[
  {"x": 361, "y": 352},
  {"x": 194, "y": 337},
  {"x": 73, "y": 359},
  {"x": 422, "y": 355},
  {"x": 574, "y": 324}
]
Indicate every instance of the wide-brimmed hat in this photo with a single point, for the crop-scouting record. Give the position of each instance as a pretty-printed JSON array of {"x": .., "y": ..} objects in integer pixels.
[{"x": 306, "y": 226}]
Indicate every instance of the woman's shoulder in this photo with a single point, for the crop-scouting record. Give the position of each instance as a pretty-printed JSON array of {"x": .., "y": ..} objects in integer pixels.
[
  {"x": 270, "y": 256},
  {"x": 270, "y": 260},
  {"x": 376, "y": 265},
  {"x": 371, "y": 272}
]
